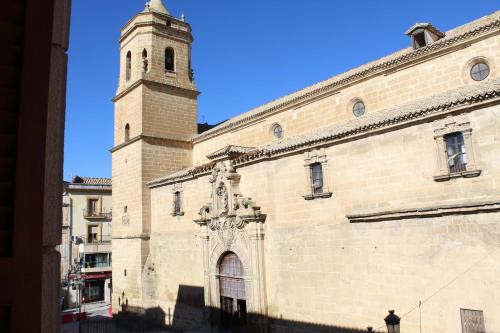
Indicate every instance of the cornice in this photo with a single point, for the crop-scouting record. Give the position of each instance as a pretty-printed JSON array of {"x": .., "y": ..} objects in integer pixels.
[
  {"x": 151, "y": 22},
  {"x": 387, "y": 63},
  {"x": 140, "y": 81},
  {"x": 149, "y": 137},
  {"x": 460, "y": 100},
  {"x": 391, "y": 119},
  {"x": 427, "y": 212}
]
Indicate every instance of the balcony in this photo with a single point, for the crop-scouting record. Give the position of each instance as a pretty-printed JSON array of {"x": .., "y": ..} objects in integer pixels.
[
  {"x": 97, "y": 215},
  {"x": 96, "y": 262}
]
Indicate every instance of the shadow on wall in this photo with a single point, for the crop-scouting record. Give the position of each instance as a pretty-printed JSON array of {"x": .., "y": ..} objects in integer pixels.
[{"x": 190, "y": 314}]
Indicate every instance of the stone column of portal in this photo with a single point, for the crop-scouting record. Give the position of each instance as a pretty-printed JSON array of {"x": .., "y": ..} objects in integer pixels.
[{"x": 259, "y": 297}]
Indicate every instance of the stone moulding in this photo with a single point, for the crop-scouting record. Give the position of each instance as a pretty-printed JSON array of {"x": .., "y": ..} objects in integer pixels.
[
  {"x": 427, "y": 212},
  {"x": 454, "y": 37},
  {"x": 381, "y": 120},
  {"x": 462, "y": 100},
  {"x": 228, "y": 152},
  {"x": 231, "y": 222}
]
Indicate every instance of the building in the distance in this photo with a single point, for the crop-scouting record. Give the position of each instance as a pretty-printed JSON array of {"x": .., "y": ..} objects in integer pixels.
[
  {"x": 86, "y": 239},
  {"x": 376, "y": 189}
]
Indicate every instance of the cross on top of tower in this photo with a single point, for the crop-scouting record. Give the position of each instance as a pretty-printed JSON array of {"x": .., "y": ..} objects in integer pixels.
[{"x": 156, "y": 6}]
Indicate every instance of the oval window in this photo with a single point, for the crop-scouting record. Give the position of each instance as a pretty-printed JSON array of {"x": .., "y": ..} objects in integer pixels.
[
  {"x": 479, "y": 71},
  {"x": 358, "y": 109},
  {"x": 277, "y": 131}
]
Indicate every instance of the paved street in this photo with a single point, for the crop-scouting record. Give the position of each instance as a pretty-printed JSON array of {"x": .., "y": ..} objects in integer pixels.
[{"x": 94, "y": 310}]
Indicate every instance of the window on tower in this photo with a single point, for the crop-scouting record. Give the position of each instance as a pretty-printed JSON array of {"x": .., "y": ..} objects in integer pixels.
[
  {"x": 145, "y": 61},
  {"x": 169, "y": 59},
  {"x": 128, "y": 66},
  {"x": 127, "y": 132}
]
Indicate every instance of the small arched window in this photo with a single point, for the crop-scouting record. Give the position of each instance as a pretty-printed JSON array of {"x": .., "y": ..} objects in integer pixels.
[
  {"x": 127, "y": 132},
  {"x": 144, "y": 60},
  {"x": 128, "y": 66},
  {"x": 169, "y": 59}
]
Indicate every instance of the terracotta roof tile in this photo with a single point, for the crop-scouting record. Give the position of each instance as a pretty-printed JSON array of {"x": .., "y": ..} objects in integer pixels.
[{"x": 91, "y": 181}]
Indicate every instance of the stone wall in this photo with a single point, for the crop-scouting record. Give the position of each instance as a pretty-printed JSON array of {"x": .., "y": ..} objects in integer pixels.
[
  {"x": 440, "y": 73},
  {"x": 322, "y": 269}
]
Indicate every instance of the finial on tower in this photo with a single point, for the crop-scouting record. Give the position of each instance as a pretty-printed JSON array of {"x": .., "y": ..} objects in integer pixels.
[{"x": 157, "y": 6}]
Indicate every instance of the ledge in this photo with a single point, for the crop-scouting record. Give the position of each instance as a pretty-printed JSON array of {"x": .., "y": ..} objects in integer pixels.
[
  {"x": 318, "y": 195},
  {"x": 463, "y": 174},
  {"x": 177, "y": 214},
  {"x": 136, "y": 236},
  {"x": 426, "y": 212}
]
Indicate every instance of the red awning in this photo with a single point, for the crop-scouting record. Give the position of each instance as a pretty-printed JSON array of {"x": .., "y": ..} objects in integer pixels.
[
  {"x": 88, "y": 276},
  {"x": 96, "y": 276}
]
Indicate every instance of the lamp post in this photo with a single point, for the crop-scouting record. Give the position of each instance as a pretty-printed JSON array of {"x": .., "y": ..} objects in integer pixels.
[{"x": 392, "y": 322}]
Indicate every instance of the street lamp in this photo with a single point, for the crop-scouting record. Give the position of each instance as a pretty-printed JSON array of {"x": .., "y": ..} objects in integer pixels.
[{"x": 392, "y": 322}]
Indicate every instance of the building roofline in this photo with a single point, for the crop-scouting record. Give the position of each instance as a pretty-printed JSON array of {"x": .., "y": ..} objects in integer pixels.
[
  {"x": 474, "y": 29},
  {"x": 387, "y": 119},
  {"x": 86, "y": 187}
]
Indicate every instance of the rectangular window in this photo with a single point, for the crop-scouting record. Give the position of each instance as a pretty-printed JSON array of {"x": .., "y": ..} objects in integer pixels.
[
  {"x": 177, "y": 203},
  {"x": 472, "y": 321},
  {"x": 317, "y": 178},
  {"x": 93, "y": 207},
  {"x": 93, "y": 233},
  {"x": 97, "y": 260},
  {"x": 455, "y": 152}
]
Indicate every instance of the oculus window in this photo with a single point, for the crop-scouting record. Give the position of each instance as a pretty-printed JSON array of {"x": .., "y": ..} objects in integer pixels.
[{"x": 479, "y": 71}]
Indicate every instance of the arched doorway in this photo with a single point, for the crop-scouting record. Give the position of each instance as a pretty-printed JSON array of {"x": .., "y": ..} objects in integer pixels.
[{"x": 232, "y": 291}]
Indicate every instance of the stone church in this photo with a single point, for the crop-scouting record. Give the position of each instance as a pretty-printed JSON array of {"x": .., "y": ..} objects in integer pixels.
[{"x": 377, "y": 189}]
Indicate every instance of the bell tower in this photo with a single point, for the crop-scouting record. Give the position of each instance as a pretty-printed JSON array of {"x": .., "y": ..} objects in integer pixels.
[{"x": 155, "y": 118}]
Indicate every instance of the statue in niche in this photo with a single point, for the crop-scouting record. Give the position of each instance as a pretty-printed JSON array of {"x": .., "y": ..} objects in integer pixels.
[{"x": 222, "y": 199}]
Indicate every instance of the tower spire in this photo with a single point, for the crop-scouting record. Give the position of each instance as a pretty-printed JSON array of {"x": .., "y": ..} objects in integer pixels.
[{"x": 157, "y": 6}]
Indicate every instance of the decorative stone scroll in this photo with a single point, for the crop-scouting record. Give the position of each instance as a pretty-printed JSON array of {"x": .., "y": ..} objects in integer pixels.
[{"x": 231, "y": 222}]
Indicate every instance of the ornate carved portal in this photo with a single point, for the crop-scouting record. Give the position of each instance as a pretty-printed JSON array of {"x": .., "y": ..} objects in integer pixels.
[{"x": 232, "y": 223}]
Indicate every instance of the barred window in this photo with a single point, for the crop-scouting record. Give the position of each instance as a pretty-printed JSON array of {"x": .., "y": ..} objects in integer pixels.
[
  {"x": 317, "y": 178},
  {"x": 455, "y": 151},
  {"x": 177, "y": 203}
]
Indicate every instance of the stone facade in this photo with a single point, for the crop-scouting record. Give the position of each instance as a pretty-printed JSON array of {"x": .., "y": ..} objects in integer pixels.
[{"x": 393, "y": 227}]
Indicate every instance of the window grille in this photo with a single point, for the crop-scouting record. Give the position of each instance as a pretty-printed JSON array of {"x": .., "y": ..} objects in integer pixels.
[
  {"x": 317, "y": 178},
  {"x": 472, "y": 321},
  {"x": 177, "y": 203},
  {"x": 455, "y": 151}
]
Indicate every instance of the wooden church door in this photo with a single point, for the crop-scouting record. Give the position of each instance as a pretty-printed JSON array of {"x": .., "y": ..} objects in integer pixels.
[{"x": 232, "y": 291}]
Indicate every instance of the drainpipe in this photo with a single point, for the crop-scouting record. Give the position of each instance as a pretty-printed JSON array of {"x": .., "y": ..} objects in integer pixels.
[{"x": 70, "y": 231}]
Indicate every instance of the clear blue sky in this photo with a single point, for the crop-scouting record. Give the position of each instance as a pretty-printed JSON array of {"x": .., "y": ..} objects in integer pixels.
[{"x": 245, "y": 53}]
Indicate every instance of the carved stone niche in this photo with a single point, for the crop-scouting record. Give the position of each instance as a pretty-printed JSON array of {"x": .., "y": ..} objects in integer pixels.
[{"x": 231, "y": 222}]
